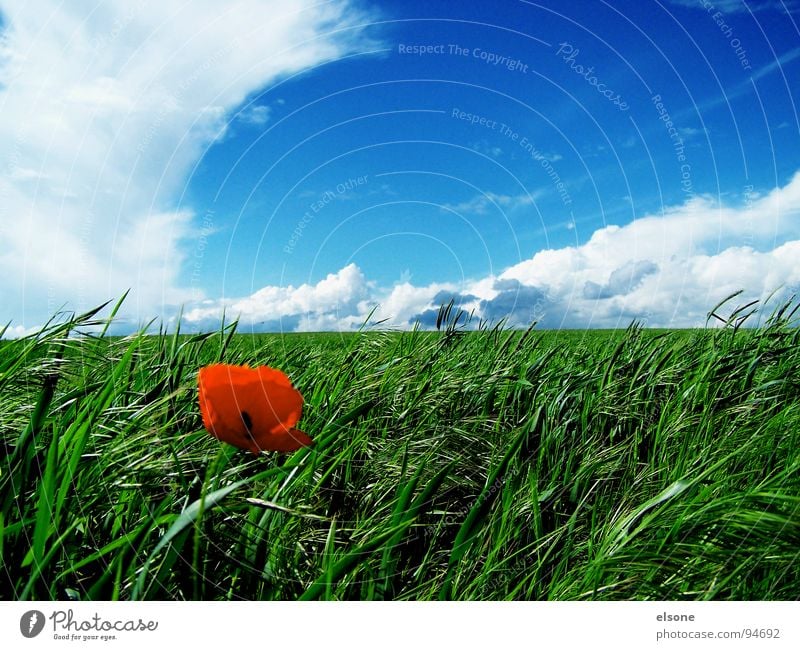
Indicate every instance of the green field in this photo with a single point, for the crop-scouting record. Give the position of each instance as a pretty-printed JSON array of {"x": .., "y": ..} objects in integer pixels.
[{"x": 487, "y": 464}]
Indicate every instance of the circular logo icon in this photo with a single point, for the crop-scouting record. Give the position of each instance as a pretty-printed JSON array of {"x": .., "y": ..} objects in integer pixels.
[{"x": 31, "y": 623}]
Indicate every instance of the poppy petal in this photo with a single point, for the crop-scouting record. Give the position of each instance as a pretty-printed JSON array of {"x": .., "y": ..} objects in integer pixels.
[
  {"x": 284, "y": 441},
  {"x": 271, "y": 405},
  {"x": 273, "y": 375},
  {"x": 214, "y": 405}
]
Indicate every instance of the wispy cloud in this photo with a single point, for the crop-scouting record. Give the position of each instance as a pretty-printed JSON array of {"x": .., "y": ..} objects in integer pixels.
[
  {"x": 741, "y": 6},
  {"x": 781, "y": 61},
  {"x": 254, "y": 115},
  {"x": 687, "y": 132},
  {"x": 485, "y": 203},
  {"x": 744, "y": 87},
  {"x": 488, "y": 149}
]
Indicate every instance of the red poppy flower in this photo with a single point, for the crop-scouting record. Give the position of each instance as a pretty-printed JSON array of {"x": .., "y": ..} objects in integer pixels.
[{"x": 251, "y": 408}]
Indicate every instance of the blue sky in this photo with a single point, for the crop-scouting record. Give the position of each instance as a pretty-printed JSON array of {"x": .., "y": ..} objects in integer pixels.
[{"x": 581, "y": 166}]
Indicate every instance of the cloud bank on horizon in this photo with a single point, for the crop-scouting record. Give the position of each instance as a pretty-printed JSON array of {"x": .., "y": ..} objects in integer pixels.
[{"x": 665, "y": 270}]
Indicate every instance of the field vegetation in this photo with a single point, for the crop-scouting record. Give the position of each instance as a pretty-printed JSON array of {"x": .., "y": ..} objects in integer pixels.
[{"x": 465, "y": 463}]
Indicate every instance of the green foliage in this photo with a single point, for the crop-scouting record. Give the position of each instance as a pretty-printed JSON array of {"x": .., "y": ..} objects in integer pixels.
[{"x": 456, "y": 464}]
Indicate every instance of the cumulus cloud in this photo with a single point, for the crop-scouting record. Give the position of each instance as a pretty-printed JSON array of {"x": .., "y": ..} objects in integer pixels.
[
  {"x": 664, "y": 269},
  {"x": 332, "y": 303},
  {"x": 106, "y": 108},
  {"x": 514, "y": 302},
  {"x": 428, "y": 318},
  {"x": 621, "y": 281},
  {"x": 669, "y": 269}
]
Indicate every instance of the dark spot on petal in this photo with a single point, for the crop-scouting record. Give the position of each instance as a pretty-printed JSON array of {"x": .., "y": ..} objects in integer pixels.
[{"x": 248, "y": 424}]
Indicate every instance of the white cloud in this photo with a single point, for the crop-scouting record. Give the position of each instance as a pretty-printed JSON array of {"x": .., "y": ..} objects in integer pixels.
[
  {"x": 18, "y": 331},
  {"x": 404, "y": 301},
  {"x": 105, "y": 110},
  {"x": 318, "y": 306},
  {"x": 740, "y": 6},
  {"x": 484, "y": 203},
  {"x": 667, "y": 269},
  {"x": 341, "y": 301},
  {"x": 484, "y": 147},
  {"x": 680, "y": 263},
  {"x": 255, "y": 115},
  {"x": 552, "y": 157}
]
